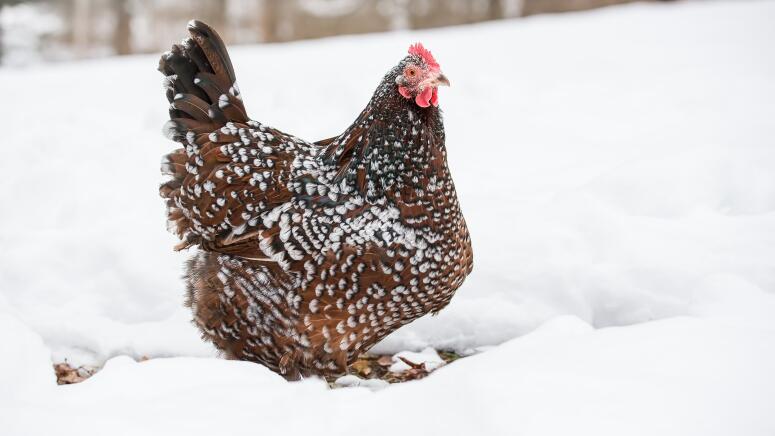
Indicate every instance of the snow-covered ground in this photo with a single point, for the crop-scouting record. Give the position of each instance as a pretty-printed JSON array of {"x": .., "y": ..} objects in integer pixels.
[{"x": 616, "y": 168}]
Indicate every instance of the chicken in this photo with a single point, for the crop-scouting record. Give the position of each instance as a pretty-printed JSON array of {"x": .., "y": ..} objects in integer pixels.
[{"x": 309, "y": 253}]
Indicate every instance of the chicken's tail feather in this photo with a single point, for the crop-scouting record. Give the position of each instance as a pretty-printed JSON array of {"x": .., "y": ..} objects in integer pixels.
[
  {"x": 199, "y": 79},
  {"x": 201, "y": 87}
]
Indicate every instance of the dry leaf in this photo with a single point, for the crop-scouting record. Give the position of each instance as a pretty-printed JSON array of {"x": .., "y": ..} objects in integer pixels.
[
  {"x": 362, "y": 367},
  {"x": 66, "y": 374}
]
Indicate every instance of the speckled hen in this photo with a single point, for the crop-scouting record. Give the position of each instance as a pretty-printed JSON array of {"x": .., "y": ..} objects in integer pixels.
[{"x": 308, "y": 253}]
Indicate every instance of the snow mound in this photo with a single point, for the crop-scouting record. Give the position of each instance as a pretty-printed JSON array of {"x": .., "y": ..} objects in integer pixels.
[
  {"x": 662, "y": 377},
  {"x": 26, "y": 369}
]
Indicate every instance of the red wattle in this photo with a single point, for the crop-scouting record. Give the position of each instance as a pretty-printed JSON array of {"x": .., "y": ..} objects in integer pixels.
[
  {"x": 435, "y": 97},
  {"x": 423, "y": 98},
  {"x": 403, "y": 91}
]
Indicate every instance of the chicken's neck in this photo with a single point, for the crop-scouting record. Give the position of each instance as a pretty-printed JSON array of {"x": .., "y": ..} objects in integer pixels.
[{"x": 394, "y": 148}]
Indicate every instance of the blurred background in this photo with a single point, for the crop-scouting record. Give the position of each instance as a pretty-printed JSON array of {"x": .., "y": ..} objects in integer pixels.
[{"x": 50, "y": 30}]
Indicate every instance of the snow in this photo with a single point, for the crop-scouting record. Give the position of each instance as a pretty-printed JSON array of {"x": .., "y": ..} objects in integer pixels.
[
  {"x": 350, "y": 380},
  {"x": 428, "y": 357},
  {"x": 679, "y": 376},
  {"x": 616, "y": 169},
  {"x": 30, "y": 369}
]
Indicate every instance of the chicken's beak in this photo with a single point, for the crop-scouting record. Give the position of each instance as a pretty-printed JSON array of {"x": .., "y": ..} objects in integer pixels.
[{"x": 441, "y": 80}]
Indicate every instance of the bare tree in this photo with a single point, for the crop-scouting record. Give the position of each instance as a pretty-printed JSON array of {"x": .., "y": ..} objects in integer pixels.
[
  {"x": 270, "y": 17},
  {"x": 495, "y": 9},
  {"x": 122, "y": 34},
  {"x": 214, "y": 13}
]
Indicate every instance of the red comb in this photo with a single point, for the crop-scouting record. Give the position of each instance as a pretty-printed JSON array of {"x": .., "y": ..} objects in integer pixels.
[{"x": 425, "y": 54}]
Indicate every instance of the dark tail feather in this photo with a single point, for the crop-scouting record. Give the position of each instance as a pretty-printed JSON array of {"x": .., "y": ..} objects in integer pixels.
[
  {"x": 199, "y": 79},
  {"x": 200, "y": 85},
  {"x": 213, "y": 47}
]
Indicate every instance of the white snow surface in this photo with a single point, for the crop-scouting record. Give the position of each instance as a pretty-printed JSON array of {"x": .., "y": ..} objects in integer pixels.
[
  {"x": 428, "y": 357},
  {"x": 616, "y": 169}
]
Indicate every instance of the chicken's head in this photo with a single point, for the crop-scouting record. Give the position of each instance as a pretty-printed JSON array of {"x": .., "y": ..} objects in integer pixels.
[{"x": 420, "y": 77}]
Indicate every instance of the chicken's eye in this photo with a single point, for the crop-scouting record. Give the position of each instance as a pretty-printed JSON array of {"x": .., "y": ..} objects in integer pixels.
[{"x": 411, "y": 72}]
